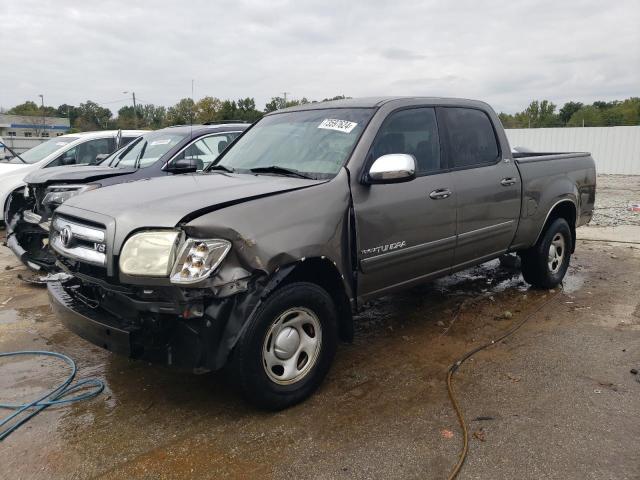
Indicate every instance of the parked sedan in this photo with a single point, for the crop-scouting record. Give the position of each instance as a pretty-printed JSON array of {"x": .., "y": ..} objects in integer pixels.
[
  {"x": 72, "y": 149},
  {"x": 173, "y": 150}
]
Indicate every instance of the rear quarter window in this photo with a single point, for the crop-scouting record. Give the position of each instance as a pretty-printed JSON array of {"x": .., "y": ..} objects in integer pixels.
[{"x": 471, "y": 137}]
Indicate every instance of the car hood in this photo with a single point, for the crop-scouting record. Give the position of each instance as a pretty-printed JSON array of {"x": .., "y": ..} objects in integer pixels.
[
  {"x": 169, "y": 201},
  {"x": 75, "y": 173},
  {"x": 7, "y": 168}
]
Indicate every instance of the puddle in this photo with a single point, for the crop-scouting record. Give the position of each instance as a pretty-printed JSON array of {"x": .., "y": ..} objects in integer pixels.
[{"x": 8, "y": 316}]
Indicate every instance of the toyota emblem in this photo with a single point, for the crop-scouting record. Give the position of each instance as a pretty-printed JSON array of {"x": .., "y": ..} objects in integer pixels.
[{"x": 66, "y": 236}]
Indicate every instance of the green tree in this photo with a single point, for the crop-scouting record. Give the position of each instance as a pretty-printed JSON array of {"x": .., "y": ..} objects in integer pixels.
[
  {"x": 182, "y": 113},
  {"x": 92, "y": 116},
  {"x": 26, "y": 108},
  {"x": 567, "y": 110},
  {"x": 208, "y": 109},
  {"x": 67, "y": 111},
  {"x": 152, "y": 116},
  {"x": 588, "y": 116},
  {"x": 247, "y": 110}
]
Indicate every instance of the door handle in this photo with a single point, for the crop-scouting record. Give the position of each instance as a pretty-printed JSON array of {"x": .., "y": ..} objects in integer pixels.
[
  {"x": 440, "y": 193},
  {"x": 506, "y": 182}
]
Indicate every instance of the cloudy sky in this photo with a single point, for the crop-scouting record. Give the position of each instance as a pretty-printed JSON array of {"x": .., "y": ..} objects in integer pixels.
[{"x": 504, "y": 51}]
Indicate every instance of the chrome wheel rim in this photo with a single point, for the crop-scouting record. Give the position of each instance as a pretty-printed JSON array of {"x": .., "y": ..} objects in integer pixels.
[
  {"x": 291, "y": 346},
  {"x": 556, "y": 253}
]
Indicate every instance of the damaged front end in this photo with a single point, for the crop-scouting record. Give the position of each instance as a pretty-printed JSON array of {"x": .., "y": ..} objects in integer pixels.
[
  {"x": 186, "y": 328},
  {"x": 27, "y": 224},
  {"x": 28, "y": 221},
  {"x": 182, "y": 293}
]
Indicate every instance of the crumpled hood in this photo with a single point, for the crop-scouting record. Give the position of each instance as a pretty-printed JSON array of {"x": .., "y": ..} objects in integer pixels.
[
  {"x": 166, "y": 201},
  {"x": 75, "y": 173}
]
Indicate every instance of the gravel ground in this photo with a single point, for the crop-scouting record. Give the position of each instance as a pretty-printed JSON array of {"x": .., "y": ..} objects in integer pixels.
[{"x": 615, "y": 194}]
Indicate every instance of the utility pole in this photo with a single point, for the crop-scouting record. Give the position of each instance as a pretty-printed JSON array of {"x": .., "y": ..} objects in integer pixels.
[
  {"x": 44, "y": 123},
  {"x": 135, "y": 110},
  {"x": 284, "y": 95}
]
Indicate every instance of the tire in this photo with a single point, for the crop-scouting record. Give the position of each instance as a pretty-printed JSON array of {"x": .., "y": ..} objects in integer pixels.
[
  {"x": 287, "y": 349},
  {"x": 545, "y": 264}
]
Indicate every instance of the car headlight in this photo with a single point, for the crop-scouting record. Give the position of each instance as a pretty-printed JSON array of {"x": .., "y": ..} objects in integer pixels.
[
  {"x": 149, "y": 254},
  {"x": 56, "y": 194},
  {"x": 198, "y": 259}
]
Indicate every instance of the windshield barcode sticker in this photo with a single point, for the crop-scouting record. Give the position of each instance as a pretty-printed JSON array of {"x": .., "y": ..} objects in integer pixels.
[
  {"x": 165, "y": 141},
  {"x": 344, "y": 126}
]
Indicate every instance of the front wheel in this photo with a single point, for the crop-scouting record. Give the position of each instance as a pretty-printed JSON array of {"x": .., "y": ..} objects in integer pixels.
[
  {"x": 545, "y": 264},
  {"x": 287, "y": 349}
]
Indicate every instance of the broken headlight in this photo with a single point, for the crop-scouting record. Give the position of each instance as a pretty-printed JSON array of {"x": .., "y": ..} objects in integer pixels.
[
  {"x": 150, "y": 253},
  {"x": 56, "y": 194},
  {"x": 198, "y": 259}
]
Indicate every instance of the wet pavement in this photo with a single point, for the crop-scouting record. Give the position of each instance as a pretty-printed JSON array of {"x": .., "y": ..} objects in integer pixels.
[{"x": 555, "y": 400}]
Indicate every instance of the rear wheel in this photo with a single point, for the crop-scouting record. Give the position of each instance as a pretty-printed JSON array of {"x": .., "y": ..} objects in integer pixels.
[
  {"x": 545, "y": 264},
  {"x": 287, "y": 349}
]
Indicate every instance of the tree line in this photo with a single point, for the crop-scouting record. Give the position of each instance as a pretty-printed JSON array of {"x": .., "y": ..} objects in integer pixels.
[
  {"x": 543, "y": 113},
  {"x": 93, "y": 116}
]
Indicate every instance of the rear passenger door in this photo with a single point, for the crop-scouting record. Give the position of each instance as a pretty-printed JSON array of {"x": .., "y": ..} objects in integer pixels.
[
  {"x": 487, "y": 186},
  {"x": 406, "y": 231}
]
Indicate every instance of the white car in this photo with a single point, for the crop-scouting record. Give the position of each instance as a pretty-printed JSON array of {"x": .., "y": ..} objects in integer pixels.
[{"x": 70, "y": 149}]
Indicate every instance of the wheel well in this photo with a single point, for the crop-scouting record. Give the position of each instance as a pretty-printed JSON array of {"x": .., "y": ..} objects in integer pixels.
[
  {"x": 567, "y": 210},
  {"x": 325, "y": 274}
]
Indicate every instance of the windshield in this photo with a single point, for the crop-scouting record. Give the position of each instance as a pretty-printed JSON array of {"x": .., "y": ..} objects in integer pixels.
[
  {"x": 146, "y": 150},
  {"x": 313, "y": 142},
  {"x": 37, "y": 153}
]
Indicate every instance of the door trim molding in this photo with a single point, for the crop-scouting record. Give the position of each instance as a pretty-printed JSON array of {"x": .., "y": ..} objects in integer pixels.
[{"x": 377, "y": 262}]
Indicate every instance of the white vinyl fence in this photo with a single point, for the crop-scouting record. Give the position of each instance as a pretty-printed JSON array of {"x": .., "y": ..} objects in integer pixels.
[{"x": 614, "y": 149}]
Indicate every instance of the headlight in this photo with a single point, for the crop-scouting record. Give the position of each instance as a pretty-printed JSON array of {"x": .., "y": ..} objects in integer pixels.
[
  {"x": 56, "y": 194},
  {"x": 198, "y": 259},
  {"x": 149, "y": 254}
]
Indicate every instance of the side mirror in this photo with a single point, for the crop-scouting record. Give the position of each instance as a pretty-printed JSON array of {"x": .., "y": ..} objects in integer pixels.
[
  {"x": 99, "y": 158},
  {"x": 69, "y": 158},
  {"x": 393, "y": 168},
  {"x": 182, "y": 165}
]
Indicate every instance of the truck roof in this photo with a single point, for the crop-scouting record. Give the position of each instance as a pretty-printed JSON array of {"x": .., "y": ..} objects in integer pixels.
[{"x": 375, "y": 102}]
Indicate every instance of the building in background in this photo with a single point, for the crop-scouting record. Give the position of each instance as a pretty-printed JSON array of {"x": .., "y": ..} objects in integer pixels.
[{"x": 21, "y": 132}]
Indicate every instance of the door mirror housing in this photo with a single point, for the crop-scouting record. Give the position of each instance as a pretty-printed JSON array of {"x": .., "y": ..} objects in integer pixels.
[
  {"x": 182, "y": 165},
  {"x": 99, "y": 158},
  {"x": 392, "y": 168},
  {"x": 69, "y": 158}
]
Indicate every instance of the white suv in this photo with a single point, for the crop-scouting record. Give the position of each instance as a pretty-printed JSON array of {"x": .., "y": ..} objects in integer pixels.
[{"x": 71, "y": 149}]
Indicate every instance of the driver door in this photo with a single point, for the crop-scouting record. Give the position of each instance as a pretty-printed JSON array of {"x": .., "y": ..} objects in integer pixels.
[{"x": 406, "y": 231}]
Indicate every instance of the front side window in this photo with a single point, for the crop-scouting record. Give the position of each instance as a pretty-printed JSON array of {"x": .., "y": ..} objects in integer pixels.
[
  {"x": 315, "y": 143},
  {"x": 146, "y": 150},
  {"x": 207, "y": 149},
  {"x": 470, "y": 136},
  {"x": 413, "y": 132},
  {"x": 88, "y": 151}
]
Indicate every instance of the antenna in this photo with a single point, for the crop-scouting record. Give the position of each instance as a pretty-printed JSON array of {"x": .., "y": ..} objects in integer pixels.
[
  {"x": 284, "y": 95},
  {"x": 193, "y": 107}
]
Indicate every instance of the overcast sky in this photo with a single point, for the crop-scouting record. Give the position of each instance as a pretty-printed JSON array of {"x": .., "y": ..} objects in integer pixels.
[{"x": 505, "y": 52}]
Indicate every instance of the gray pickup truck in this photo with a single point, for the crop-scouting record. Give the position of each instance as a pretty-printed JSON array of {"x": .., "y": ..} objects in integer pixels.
[{"x": 257, "y": 264}]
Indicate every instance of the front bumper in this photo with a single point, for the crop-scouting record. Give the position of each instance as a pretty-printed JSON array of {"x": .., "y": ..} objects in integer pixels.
[
  {"x": 99, "y": 328},
  {"x": 139, "y": 329}
]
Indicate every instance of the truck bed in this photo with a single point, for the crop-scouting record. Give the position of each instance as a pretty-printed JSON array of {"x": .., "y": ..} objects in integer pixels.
[{"x": 549, "y": 179}]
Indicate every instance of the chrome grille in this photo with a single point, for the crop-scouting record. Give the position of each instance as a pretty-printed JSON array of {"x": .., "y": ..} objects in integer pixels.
[{"x": 78, "y": 241}]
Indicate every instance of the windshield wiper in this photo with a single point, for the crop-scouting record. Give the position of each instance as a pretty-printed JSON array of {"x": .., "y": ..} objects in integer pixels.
[
  {"x": 281, "y": 170},
  {"x": 15, "y": 155},
  {"x": 217, "y": 166}
]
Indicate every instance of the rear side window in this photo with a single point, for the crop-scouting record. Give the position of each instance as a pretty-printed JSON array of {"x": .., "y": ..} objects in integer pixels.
[
  {"x": 470, "y": 136},
  {"x": 414, "y": 132}
]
